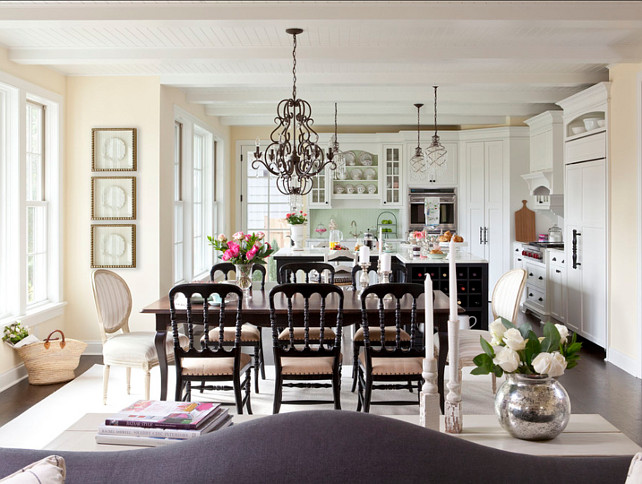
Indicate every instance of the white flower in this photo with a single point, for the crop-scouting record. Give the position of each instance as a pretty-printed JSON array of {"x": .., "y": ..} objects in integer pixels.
[
  {"x": 497, "y": 330},
  {"x": 260, "y": 235},
  {"x": 507, "y": 359},
  {"x": 563, "y": 330},
  {"x": 514, "y": 340},
  {"x": 222, "y": 238},
  {"x": 551, "y": 364},
  {"x": 238, "y": 236}
]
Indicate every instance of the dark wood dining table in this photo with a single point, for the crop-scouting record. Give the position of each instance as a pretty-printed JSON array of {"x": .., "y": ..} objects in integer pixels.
[{"x": 256, "y": 310}]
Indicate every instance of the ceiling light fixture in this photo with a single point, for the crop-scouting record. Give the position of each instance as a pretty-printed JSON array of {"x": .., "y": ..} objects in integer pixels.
[
  {"x": 294, "y": 158},
  {"x": 435, "y": 153},
  {"x": 337, "y": 155},
  {"x": 418, "y": 161}
]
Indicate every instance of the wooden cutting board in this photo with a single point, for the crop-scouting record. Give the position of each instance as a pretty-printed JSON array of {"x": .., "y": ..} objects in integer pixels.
[{"x": 525, "y": 224}]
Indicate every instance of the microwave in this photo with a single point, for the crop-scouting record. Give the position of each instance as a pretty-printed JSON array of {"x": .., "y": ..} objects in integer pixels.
[{"x": 447, "y": 209}]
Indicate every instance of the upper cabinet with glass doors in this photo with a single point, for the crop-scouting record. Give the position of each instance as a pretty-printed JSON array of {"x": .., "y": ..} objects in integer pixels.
[
  {"x": 392, "y": 176},
  {"x": 319, "y": 196}
]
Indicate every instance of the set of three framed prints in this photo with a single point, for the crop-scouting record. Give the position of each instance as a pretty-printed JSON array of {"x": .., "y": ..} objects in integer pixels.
[{"x": 113, "y": 197}]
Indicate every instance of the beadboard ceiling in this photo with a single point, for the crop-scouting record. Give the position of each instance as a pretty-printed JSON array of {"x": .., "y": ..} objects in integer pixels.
[{"x": 492, "y": 60}]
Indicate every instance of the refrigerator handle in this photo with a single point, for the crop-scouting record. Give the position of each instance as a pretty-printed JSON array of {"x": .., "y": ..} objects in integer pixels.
[
  {"x": 481, "y": 241},
  {"x": 575, "y": 235},
  {"x": 485, "y": 235}
]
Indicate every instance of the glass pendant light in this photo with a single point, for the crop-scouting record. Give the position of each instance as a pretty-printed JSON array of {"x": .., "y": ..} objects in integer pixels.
[
  {"x": 435, "y": 153},
  {"x": 338, "y": 157},
  {"x": 418, "y": 161}
]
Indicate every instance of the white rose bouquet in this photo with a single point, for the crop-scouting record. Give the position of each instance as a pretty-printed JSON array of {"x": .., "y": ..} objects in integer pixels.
[{"x": 519, "y": 350}]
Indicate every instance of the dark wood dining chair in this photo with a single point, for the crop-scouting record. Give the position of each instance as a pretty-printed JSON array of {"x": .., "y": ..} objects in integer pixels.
[
  {"x": 399, "y": 274},
  {"x": 387, "y": 356},
  {"x": 251, "y": 335},
  {"x": 287, "y": 272},
  {"x": 315, "y": 359},
  {"x": 209, "y": 360}
]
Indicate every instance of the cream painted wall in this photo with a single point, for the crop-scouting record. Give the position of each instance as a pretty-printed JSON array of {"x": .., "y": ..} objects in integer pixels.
[
  {"x": 110, "y": 102},
  {"x": 169, "y": 99},
  {"x": 55, "y": 82},
  {"x": 624, "y": 212}
]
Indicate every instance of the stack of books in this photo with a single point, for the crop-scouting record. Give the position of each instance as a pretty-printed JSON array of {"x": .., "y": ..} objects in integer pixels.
[{"x": 150, "y": 423}]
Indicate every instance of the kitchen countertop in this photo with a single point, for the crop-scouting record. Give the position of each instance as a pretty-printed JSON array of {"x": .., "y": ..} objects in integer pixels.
[{"x": 463, "y": 257}]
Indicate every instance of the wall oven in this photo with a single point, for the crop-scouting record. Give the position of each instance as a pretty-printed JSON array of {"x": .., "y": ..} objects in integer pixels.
[{"x": 447, "y": 209}]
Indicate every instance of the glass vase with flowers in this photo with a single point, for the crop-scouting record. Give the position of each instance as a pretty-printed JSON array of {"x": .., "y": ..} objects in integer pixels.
[{"x": 297, "y": 223}]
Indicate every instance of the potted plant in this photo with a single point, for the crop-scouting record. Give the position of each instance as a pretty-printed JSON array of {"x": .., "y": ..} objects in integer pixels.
[
  {"x": 531, "y": 404},
  {"x": 297, "y": 222}
]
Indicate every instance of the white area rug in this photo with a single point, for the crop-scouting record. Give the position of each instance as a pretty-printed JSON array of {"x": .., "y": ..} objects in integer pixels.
[{"x": 40, "y": 424}]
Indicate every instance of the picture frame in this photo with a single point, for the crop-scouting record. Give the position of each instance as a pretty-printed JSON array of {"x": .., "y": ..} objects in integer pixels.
[
  {"x": 113, "y": 149},
  {"x": 113, "y": 246},
  {"x": 113, "y": 197}
]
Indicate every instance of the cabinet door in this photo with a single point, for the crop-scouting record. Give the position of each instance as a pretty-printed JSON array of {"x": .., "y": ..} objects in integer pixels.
[
  {"x": 541, "y": 149},
  {"x": 475, "y": 197},
  {"x": 495, "y": 240},
  {"x": 391, "y": 176},
  {"x": 319, "y": 196},
  {"x": 447, "y": 176},
  {"x": 557, "y": 290}
]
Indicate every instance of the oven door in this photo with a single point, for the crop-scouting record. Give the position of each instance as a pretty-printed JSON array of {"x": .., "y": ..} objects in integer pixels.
[{"x": 447, "y": 213}]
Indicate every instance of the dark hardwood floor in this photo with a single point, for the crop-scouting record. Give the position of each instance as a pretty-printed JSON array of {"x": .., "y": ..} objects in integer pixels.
[{"x": 594, "y": 386}]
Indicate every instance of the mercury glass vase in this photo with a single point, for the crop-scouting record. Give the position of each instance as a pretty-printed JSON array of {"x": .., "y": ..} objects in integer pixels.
[
  {"x": 244, "y": 278},
  {"x": 532, "y": 407}
]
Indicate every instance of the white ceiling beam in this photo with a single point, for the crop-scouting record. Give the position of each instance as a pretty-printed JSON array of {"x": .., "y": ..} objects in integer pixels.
[
  {"x": 391, "y": 79},
  {"x": 51, "y": 12},
  {"x": 526, "y": 51},
  {"x": 373, "y": 120},
  {"x": 383, "y": 94},
  {"x": 326, "y": 109}
]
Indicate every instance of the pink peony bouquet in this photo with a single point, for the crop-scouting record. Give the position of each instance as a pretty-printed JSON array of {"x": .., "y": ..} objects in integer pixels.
[
  {"x": 242, "y": 248},
  {"x": 296, "y": 218}
]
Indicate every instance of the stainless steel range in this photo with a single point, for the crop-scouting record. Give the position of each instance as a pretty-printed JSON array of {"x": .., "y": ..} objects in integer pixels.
[{"x": 534, "y": 251}]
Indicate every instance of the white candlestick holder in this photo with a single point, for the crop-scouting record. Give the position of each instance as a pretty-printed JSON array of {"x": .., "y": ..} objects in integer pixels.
[{"x": 384, "y": 278}]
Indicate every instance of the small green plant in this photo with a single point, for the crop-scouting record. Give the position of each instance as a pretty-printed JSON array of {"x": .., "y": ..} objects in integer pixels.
[{"x": 15, "y": 332}]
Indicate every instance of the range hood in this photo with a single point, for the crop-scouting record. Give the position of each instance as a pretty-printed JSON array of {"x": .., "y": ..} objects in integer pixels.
[{"x": 542, "y": 185}]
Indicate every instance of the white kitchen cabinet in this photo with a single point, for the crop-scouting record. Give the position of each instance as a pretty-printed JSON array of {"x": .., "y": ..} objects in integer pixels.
[
  {"x": 445, "y": 177},
  {"x": 585, "y": 207},
  {"x": 536, "y": 295},
  {"x": 391, "y": 177},
  {"x": 556, "y": 264},
  {"x": 319, "y": 196}
]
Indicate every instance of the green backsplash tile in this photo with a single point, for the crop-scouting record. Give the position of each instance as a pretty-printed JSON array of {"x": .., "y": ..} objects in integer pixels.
[{"x": 365, "y": 218}]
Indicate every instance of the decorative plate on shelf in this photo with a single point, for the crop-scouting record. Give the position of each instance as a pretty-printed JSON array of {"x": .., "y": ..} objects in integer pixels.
[
  {"x": 350, "y": 189},
  {"x": 350, "y": 158},
  {"x": 356, "y": 174},
  {"x": 365, "y": 159},
  {"x": 371, "y": 188},
  {"x": 370, "y": 173},
  {"x": 361, "y": 188},
  {"x": 339, "y": 189}
]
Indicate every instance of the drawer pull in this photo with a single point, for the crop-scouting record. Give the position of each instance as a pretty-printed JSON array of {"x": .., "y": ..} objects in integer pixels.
[
  {"x": 554, "y": 259},
  {"x": 530, "y": 274},
  {"x": 558, "y": 271},
  {"x": 540, "y": 299},
  {"x": 540, "y": 278},
  {"x": 530, "y": 294}
]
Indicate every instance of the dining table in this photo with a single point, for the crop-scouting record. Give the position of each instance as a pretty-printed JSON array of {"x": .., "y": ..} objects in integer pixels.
[{"x": 256, "y": 310}]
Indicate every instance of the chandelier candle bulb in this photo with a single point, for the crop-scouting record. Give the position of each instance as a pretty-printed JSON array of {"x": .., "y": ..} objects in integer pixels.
[
  {"x": 385, "y": 262},
  {"x": 429, "y": 330},
  {"x": 364, "y": 254}
]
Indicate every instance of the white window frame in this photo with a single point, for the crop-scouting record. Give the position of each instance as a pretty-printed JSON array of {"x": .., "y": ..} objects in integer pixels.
[
  {"x": 178, "y": 269},
  {"x": 14, "y": 95},
  {"x": 215, "y": 192}
]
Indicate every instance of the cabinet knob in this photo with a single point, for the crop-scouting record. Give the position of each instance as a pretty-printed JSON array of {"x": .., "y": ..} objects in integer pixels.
[
  {"x": 530, "y": 274},
  {"x": 519, "y": 260},
  {"x": 558, "y": 271},
  {"x": 554, "y": 259},
  {"x": 540, "y": 278},
  {"x": 530, "y": 294},
  {"x": 540, "y": 299}
]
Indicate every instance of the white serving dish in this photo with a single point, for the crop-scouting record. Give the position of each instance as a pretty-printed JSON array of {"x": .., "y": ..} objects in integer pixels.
[
  {"x": 591, "y": 123},
  {"x": 577, "y": 129},
  {"x": 601, "y": 123}
]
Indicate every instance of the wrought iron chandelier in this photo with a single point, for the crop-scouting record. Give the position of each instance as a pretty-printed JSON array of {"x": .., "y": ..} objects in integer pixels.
[
  {"x": 293, "y": 157},
  {"x": 418, "y": 161},
  {"x": 435, "y": 153},
  {"x": 337, "y": 155}
]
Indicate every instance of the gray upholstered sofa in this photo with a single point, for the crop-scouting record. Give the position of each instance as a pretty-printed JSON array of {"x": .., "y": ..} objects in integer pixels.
[{"x": 324, "y": 446}]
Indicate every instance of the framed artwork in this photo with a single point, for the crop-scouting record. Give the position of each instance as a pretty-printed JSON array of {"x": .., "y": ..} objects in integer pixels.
[
  {"x": 113, "y": 198},
  {"x": 113, "y": 149},
  {"x": 113, "y": 246}
]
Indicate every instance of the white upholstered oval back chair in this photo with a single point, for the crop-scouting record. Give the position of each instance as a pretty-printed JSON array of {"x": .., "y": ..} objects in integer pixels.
[
  {"x": 507, "y": 295},
  {"x": 120, "y": 346}
]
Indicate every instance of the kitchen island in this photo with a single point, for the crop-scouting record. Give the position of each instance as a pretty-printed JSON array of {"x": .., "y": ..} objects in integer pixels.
[{"x": 472, "y": 275}]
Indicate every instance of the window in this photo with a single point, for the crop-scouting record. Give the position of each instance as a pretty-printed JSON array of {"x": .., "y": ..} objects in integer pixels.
[
  {"x": 195, "y": 207},
  {"x": 30, "y": 281}
]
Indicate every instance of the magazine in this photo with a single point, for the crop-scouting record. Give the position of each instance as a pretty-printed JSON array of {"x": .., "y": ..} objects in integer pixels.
[
  {"x": 212, "y": 423},
  {"x": 162, "y": 414},
  {"x": 133, "y": 440}
]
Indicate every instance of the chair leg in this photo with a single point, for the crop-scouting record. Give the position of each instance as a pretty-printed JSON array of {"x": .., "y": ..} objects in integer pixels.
[
  {"x": 248, "y": 377},
  {"x": 493, "y": 383},
  {"x": 237, "y": 394},
  {"x": 336, "y": 390},
  {"x": 367, "y": 395},
  {"x": 178, "y": 394},
  {"x": 147, "y": 382},
  {"x": 278, "y": 392},
  {"x": 355, "y": 365},
  {"x": 262, "y": 356},
  {"x": 257, "y": 364},
  {"x": 188, "y": 391},
  {"x": 128, "y": 372},
  {"x": 105, "y": 383}
]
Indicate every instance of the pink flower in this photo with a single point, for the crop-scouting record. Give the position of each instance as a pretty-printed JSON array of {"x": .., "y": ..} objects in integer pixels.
[
  {"x": 288, "y": 215},
  {"x": 238, "y": 235},
  {"x": 252, "y": 252},
  {"x": 248, "y": 237},
  {"x": 233, "y": 249},
  {"x": 260, "y": 235},
  {"x": 226, "y": 255}
]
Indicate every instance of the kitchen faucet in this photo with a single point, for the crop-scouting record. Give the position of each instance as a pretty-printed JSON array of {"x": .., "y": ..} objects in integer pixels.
[{"x": 354, "y": 231}]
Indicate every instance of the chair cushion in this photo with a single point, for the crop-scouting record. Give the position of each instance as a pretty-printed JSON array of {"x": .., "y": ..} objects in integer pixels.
[
  {"x": 469, "y": 345},
  {"x": 137, "y": 349},
  {"x": 315, "y": 334},
  {"x": 394, "y": 366},
  {"x": 322, "y": 365},
  {"x": 213, "y": 366},
  {"x": 249, "y": 333},
  {"x": 375, "y": 334}
]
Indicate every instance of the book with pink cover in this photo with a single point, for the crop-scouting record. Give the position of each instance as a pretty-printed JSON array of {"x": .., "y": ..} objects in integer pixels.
[{"x": 162, "y": 414}]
